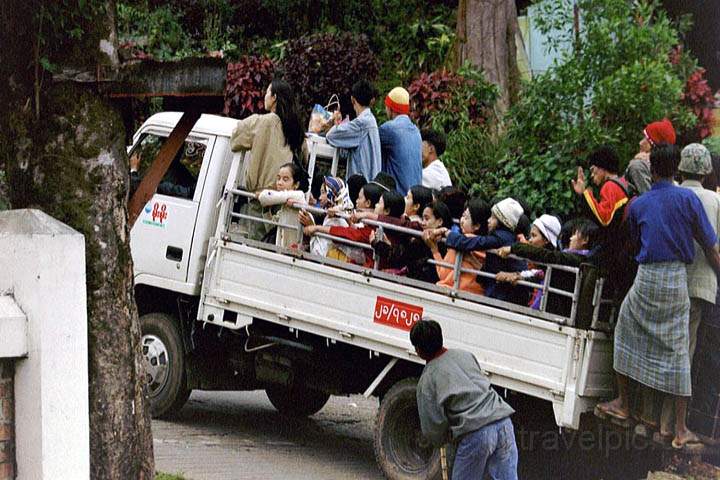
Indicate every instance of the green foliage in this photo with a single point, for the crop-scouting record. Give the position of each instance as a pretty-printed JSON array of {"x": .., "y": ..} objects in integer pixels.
[
  {"x": 157, "y": 32},
  {"x": 461, "y": 104},
  {"x": 470, "y": 160},
  {"x": 168, "y": 32},
  {"x": 617, "y": 78},
  {"x": 168, "y": 476}
]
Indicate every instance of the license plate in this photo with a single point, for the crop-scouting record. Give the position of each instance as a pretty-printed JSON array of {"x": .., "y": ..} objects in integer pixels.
[{"x": 396, "y": 314}]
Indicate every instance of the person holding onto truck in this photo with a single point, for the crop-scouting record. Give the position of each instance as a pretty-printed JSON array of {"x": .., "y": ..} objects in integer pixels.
[
  {"x": 434, "y": 173},
  {"x": 456, "y": 403},
  {"x": 543, "y": 235},
  {"x": 576, "y": 253},
  {"x": 290, "y": 188},
  {"x": 359, "y": 136},
  {"x": 637, "y": 172},
  {"x": 408, "y": 255},
  {"x": 652, "y": 331},
  {"x": 334, "y": 197},
  {"x": 390, "y": 203},
  {"x": 401, "y": 142},
  {"x": 273, "y": 139},
  {"x": 608, "y": 213},
  {"x": 501, "y": 232},
  {"x": 473, "y": 222},
  {"x": 695, "y": 164}
]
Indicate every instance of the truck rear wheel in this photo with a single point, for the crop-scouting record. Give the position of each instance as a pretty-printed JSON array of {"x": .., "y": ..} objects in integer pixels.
[
  {"x": 400, "y": 449},
  {"x": 296, "y": 401},
  {"x": 166, "y": 378}
]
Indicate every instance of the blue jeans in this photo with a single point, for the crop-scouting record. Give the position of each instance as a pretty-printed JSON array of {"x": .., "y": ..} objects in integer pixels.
[{"x": 490, "y": 450}]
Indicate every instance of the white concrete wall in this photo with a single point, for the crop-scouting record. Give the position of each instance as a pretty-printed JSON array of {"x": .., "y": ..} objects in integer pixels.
[{"x": 42, "y": 266}]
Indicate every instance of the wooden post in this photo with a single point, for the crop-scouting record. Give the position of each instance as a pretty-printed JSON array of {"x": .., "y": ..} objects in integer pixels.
[{"x": 160, "y": 165}]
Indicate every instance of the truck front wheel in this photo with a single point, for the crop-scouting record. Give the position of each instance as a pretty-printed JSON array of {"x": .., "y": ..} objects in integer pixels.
[
  {"x": 166, "y": 379},
  {"x": 400, "y": 449},
  {"x": 296, "y": 401}
]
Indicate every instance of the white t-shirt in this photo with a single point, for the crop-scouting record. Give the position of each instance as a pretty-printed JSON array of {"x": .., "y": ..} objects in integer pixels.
[{"x": 436, "y": 176}]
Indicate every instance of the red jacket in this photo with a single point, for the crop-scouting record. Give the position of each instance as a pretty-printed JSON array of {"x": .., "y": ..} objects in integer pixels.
[{"x": 612, "y": 198}]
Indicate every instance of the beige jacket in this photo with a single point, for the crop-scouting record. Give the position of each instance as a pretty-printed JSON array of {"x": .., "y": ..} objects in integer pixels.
[
  {"x": 263, "y": 136},
  {"x": 702, "y": 282}
]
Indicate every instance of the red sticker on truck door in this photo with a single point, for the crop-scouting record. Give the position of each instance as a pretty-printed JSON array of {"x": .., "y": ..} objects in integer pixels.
[{"x": 396, "y": 314}]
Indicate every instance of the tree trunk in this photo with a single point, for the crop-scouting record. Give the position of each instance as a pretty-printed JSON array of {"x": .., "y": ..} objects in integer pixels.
[
  {"x": 70, "y": 161},
  {"x": 486, "y": 31}
]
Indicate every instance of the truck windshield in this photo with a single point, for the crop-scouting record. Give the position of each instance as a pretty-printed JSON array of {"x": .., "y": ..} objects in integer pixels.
[{"x": 181, "y": 177}]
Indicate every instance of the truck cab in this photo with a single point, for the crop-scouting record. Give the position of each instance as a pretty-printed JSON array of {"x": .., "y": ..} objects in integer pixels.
[{"x": 170, "y": 237}]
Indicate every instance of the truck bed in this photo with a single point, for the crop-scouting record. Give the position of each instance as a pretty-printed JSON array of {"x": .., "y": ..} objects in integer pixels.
[{"x": 520, "y": 349}]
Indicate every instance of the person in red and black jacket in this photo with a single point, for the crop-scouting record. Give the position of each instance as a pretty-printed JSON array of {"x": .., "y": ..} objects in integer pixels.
[{"x": 613, "y": 255}]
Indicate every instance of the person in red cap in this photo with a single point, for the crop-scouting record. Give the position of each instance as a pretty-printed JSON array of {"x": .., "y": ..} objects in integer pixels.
[
  {"x": 401, "y": 142},
  {"x": 637, "y": 173}
]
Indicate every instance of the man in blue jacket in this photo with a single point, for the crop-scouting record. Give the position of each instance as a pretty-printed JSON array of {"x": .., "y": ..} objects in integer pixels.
[{"x": 401, "y": 142}]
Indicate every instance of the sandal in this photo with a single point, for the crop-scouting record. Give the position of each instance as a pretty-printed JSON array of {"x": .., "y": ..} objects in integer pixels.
[
  {"x": 606, "y": 413},
  {"x": 691, "y": 444}
]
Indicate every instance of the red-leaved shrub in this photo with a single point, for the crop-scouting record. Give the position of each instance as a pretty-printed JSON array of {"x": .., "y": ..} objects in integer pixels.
[
  {"x": 699, "y": 97},
  {"x": 445, "y": 99},
  {"x": 323, "y": 64},
  {"x": 245, "y": 85}
]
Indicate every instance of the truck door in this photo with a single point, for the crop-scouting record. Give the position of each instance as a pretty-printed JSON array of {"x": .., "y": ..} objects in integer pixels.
[{"x": 161, "y": 238}]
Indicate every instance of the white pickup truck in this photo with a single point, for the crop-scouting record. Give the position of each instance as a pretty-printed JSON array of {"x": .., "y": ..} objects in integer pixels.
[{"x": 223, "y": 312}]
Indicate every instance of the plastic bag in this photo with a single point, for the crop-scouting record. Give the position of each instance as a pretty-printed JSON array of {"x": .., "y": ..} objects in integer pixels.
[{"x": 321, "y": 117}]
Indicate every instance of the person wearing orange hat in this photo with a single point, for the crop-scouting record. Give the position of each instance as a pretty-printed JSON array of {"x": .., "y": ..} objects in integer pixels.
[
  {"x": 637, "y": 173},
  {"x": 401, "y": 142}
]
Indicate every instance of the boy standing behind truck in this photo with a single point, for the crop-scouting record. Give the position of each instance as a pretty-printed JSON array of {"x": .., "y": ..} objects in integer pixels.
[{"x": 456, "y": 402}]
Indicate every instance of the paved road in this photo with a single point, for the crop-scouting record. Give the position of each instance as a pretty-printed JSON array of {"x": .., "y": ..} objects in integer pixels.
[{"x": 238, "y": 435}]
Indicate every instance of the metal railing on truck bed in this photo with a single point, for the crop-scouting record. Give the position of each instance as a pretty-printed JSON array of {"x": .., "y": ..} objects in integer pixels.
[{"x": 381, "y": 228}]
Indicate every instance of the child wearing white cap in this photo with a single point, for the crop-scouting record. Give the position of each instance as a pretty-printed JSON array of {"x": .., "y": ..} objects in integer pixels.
[
  {"x": 543, "y": 234},
  {"x": 501, "y": 232}
]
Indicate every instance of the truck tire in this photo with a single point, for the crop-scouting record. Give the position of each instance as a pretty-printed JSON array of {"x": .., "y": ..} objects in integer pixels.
[
  {"x": 296, "y": 401},
  {"x": 400, "y": 450},
  {"x": 164, "y": 364}
]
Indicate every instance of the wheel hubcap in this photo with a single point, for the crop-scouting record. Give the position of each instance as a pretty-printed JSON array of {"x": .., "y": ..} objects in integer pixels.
[{"x": 157, "y": 363}]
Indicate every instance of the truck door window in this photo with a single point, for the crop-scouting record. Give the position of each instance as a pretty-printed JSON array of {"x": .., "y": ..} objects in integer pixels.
[{"x": 182, "y": 175}]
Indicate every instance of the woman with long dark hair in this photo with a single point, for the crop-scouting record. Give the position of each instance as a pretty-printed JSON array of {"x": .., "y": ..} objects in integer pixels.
[{"x": 273, "y": 139}]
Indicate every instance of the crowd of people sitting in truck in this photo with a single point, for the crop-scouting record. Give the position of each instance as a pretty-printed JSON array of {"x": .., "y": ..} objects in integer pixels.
[{"x": 654, "y": 241}]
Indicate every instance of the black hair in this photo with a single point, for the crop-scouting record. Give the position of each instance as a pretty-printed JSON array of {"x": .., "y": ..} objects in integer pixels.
[
  {"x": 316, "y": 185},
  {"x": 442, "y": 212},
  {"x": 373, "y": 192},
  {"x": 480, "y": 211},
  {"x": 422, "y": 196},
  {"x": 427, "y": 338},
  {"x": 664, "y": 160},
  {"x": 363, "y": 92},
  {"x": 605, "y": 157},
  {"x": 355, "y": 183},
  {"x": 523, "y": 225},
  {"x": 285, "y": 109},
  {"x": 386, "y": 180},
  {"x": 436, "y": 139},
  {"x": 394, "y": 203},
  {"x": 299, "y": 175},
  {"x": 567, "y": 230},
  {"x": 589, "y": 230},
  {"x": 454, "y": 198}
]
